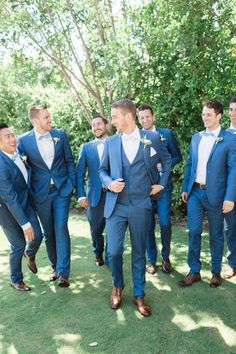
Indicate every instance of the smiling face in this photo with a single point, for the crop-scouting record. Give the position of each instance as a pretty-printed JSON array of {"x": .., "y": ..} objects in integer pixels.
[
  {"x": 7, "y": 141},
  {"x": 43, "y": 121},
  {"x": 232, "y": 113},
  {"x": 210, "y": 119},
  {"x": 98, "y": 127},
  {"x": 146, "y": 119},
  {"x": 120, "y": 119}
]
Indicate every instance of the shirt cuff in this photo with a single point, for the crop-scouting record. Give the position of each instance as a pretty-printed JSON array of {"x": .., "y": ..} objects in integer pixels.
[
  {"x": 26, "y": 226},
  {"x": 80, "y": 198}
]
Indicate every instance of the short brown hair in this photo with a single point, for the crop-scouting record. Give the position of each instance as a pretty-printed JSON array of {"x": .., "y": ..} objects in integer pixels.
[
  {"x": 233, "y": 100},
  {"x": 214, "y": 104},
  {"x": 34, "y": 110},
  {"x": 126, "y": 106},
  {"x": 145, "y": 107},
  {"x": 105, "y": 121}
]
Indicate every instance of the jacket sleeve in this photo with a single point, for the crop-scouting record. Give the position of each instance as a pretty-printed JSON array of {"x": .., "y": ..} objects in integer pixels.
[
  {"x": 104, "y": 169},
  {"x": 174, "y": 150},
  {"x": 69, "y": 161},
  {"x": 187, "y": 170},
  {"x": 165, "y": 159},
  {"x": 81, "y": 172},
  {"x": 10, "y": 199}
]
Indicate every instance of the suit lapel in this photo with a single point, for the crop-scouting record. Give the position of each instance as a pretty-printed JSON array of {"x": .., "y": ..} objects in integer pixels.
[
  {"x": 221, "y": 135},
  {"x": 94, "y": 151},
  {"x": 146, "y": 155},
  {"x": 116, "y": 147},
  {"x": 56, "y": 142},
  {"x": 196, "y": 146},
  {"x": 34, "y": 147},
  {"x": 13, "y": 167}
]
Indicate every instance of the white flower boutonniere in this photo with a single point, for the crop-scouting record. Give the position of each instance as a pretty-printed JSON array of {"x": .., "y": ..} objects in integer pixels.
[
  {"x": 24, "y": 159},
  {"x": 162, "y": 137},
  {"x": 145, "y": 141},
  {"x": 218, "y": 140},
  {"x": 55, "y": 140}
]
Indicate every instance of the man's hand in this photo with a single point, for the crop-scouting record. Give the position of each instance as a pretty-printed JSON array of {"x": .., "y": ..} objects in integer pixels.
[
  {"x": 83, "y": 202},
  {"x": 227, "y": 206},
  {"x": 29, "y": 234},
  {"x": 156, "y": 188},
  {"x": 117, "y": 185},
  {"x": 184, "y": 197}
]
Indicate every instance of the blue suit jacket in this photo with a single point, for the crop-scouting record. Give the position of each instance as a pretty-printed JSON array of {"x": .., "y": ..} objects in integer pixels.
[
  {"x": 89, "y": 161},
  {"x": 62, "y": 171},
  {"x": 14, "y": 193},
  {"x": 221, "y": 168},
  {"x": 170, "y": 142},
  {"x": 111, "y": 164}
]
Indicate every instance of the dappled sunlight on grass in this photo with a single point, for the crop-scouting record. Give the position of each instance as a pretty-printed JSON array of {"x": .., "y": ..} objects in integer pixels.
[
  {"x": 120, "y": 316},
  {"x": 186, "y": 324}
]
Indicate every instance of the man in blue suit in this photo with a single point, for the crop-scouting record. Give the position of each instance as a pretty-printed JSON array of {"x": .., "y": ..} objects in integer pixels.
[
  {"x": 94, "y": 200},
  {"x": 17, "y": 217},
  {"x": 230, "y": 218},
  {"x": 53, "y": 180},
  {"x": 163, "y": 203},
  {"x": 209, "y": 187},
  {"x": 129, "y": 171}
]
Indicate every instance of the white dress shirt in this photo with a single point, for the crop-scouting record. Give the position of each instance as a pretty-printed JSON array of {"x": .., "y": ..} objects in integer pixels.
[
  {"x": 100, "y": 147},
  {"x": 20, "y": 164},
  {"x": 204, "y": 150},
  {"x": 130, "y": 144},
  {"x": 46, "y": 147},
  {"x": 233, "y": 128}
]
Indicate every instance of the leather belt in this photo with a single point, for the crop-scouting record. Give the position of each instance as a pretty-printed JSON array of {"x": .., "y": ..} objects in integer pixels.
[
  {"x": 201, "y": 186},
  {"x": 104, "y": 189}
]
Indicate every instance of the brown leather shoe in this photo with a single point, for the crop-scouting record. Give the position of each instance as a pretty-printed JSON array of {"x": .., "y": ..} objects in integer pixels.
[
  {"x": 53, "y": 275},
  {"x": 143, "y": 308},
  {"x": 166, "y": 266},
  {"x": 63, "y": 281},
  {"x": 231, "y": 272},
  {"x": 99, "y": 261},
  {"x": 31, "y": 263},
  {"x": 190, "y": 279},
  {"x": 152, "y": 269},
  {"x": 116, "y": 298},
  {"x": 20, "y": 286},
  {"x": 216, "y": 280}
]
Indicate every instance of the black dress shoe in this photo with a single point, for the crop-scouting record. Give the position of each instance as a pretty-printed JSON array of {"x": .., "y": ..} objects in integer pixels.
[
  {"x": 53, "y": 275},
  {"x": 20, "y": 286},
  {"x": 63, "y": 281},
  {"x": 31, "y": 263},
  {"x": 99, "y": 261}
]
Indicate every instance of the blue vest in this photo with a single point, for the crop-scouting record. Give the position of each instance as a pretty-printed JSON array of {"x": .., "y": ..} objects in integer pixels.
[{"x": 137, "y": 181}]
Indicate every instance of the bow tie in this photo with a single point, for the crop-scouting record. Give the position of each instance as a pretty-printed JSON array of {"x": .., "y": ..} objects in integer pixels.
[
  {"x": 208, "y": 134},
  {"x": 99, "y": 142},
  {"x": 15, "y": 155},
  {"x": 45, "y": 136},
  {"x": 129, "y": 137}
]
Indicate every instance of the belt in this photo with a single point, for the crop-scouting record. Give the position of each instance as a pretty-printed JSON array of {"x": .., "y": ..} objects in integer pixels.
[
  {"x": 104, "y": 189},
  {"x": 52, "y": 185},
  {"x": 201, "y": 186}
]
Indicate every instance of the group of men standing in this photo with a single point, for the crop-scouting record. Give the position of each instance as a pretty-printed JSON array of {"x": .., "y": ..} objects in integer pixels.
[{"x": 129, "y": 177}]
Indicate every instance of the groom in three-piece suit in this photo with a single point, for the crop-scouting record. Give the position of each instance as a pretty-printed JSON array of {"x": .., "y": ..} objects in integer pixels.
[
  {"x": 17, "y": 217},
  {"x": 53, "y": 180},
  {"x": 209, "y": 187},
  {"x": 94, "y": 200},
  {"x": 163, "y": 203},
  {"x": 129, "y": 171}
]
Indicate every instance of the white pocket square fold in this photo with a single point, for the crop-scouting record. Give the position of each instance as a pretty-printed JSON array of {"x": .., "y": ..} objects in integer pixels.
[{"x": 152, "y": 151}]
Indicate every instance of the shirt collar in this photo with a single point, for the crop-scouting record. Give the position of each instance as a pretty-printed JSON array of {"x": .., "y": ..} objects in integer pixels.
[
  {"x": 152, "y": 130},
  {"x": 38, "y": 135},
  {"x": 135, "y": 134},
  {"x": 216, "y": 132},
  {"x": 9, "y": 155},
  {"x": 231, "y": 127}
]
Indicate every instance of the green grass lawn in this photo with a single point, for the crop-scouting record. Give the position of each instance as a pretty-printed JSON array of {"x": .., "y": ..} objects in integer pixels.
[{"x": 51, "y": 320}]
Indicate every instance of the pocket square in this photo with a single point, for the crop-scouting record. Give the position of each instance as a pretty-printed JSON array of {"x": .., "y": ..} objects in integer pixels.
[{"x": 152, "y": 151}]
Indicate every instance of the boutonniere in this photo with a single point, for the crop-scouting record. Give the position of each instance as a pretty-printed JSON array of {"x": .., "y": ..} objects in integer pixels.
[
  {"x": 145, "y": 141},
  {"x": 162, "y": 137},
  {"x": 24, "y": 159},
  {"x": 55, "y": 140},
  {"x": 219, "y": 139}
]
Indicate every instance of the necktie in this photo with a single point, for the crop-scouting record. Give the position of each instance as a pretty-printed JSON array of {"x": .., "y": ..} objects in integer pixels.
[{"x": 45, "y": 136}]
